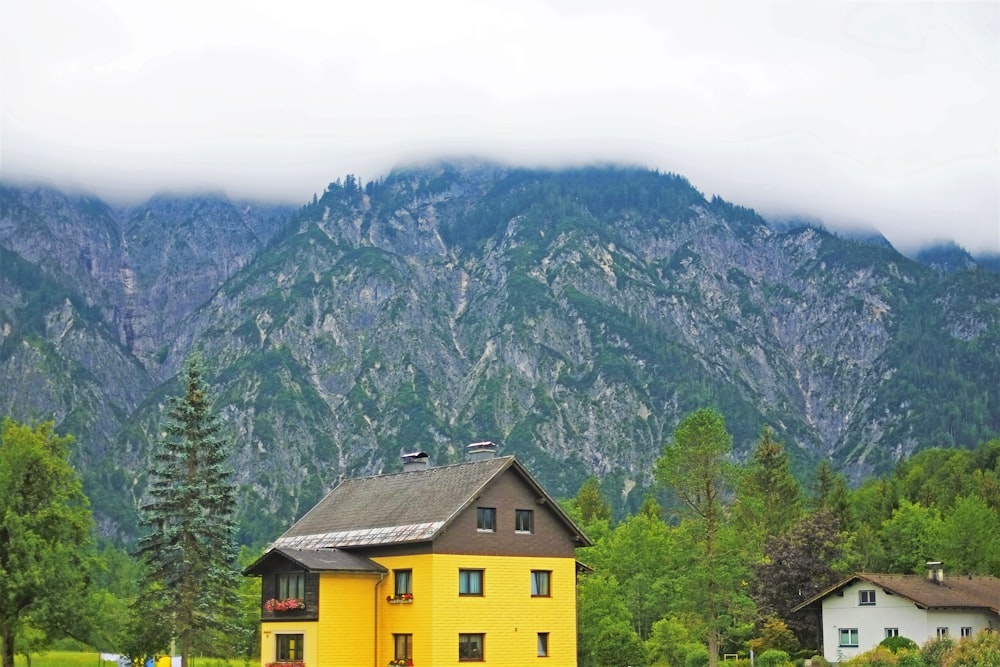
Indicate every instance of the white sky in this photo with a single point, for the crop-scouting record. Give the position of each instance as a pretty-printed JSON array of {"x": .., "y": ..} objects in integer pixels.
[{"x": 869, "y": 114}]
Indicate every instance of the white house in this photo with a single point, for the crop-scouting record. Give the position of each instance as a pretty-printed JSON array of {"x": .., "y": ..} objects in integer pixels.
[{"x": 864, "y": 609}]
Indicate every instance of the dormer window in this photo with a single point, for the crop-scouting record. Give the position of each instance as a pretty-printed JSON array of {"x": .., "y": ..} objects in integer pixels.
[
  {"x": 866, "y": 598},
  {"x": 486, "y": 519}
]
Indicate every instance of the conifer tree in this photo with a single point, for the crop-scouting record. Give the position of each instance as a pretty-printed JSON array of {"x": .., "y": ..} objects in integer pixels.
[
  {"x": 190, "y": 552},
  {"x": 769, "y": 498}
]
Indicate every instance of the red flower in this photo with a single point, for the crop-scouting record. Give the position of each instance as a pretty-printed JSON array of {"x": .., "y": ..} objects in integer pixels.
[{"x": 284, "y": 605}]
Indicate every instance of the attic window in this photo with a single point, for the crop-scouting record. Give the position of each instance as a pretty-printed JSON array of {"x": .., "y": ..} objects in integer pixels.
[
  {"x": 866, "y": 598},
  {"x": 486, "y": 519},
  {"x": 524, "y": 521}
]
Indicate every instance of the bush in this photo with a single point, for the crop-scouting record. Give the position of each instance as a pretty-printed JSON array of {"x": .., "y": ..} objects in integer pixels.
[
  {"x": 933, "y": 651},
  {"x": 697, "y": 657},
  {"x": 819, "y": 661},
  {"x": 983, "y": 650},
  {"x": 910, "y": 659},
  {"x": 894, "y": 644},
  {"x": 773, "y": 658}
]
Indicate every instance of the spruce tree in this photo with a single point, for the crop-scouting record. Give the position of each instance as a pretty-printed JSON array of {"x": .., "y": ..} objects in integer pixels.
[{"x": 190, "y": 551}]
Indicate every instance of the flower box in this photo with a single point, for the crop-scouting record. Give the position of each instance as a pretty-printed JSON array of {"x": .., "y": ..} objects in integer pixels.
[
  {"x": 405, "y": 598},
  {"x": 296, "y": 663},
  {"x": 289, "y": 604},
  {"x": 401, "y": 662}
]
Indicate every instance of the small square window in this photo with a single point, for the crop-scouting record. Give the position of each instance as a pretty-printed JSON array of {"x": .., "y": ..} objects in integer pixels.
[
  {"x": 866, "y": 598},
  {"x": 892, "y": 632},
  {"x": 470, "y": 582},
  {"x": 540, "y": 582},
  {"x": 543, "y": 644},
  {"x": 524, "y": 521},
  {"x": 470, "y": 647},
  {"x": 486, "y": 519},
  {"x": 288, "y": 648},
  {"x": 966, "y": 632},
  {"x": 942, "y": 632},
  {"x": 849, "y": 637}
]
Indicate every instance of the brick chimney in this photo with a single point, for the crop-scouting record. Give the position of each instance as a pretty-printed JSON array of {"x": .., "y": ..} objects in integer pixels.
[{"x": 415, "y": 461}]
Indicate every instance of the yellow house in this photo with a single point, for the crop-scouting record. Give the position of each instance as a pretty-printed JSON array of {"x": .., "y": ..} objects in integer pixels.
[{"x": 432, "y": 566}]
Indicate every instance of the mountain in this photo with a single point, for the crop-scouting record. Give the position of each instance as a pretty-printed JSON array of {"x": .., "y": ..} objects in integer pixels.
[{"x": 571, "y": 316}]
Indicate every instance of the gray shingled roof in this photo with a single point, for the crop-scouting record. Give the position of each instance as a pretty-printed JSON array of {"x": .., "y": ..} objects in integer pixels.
[
  {"x": 395, "y": 508},
  {"x": 317, "y": 560},
  {"x": 954, "y": 592}
]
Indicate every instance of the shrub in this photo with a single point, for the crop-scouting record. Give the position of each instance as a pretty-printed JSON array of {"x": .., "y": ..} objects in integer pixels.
[
  {"x": 773, "y": 658},
  {"x": 894, "y": 644},
  {"x": 879, "y": 656},
  {"x": 907, "y": 658},
  {"x": 983, "y": 650},
  {"x": 697, "y": 657},
  {"x": 933, "y": 651},
  {"x": 819, "y": 661}
]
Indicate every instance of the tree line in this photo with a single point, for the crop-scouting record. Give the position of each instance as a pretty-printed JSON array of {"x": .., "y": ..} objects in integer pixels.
[
  {"x": 712, "y": 563},
  {"x": 720, "y": 554}
]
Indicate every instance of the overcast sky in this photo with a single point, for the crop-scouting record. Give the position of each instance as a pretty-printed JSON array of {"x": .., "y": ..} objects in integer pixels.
[{"x": 872, "y": 114}]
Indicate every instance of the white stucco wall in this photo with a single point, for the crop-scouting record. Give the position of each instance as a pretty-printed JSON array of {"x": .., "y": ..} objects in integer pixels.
[{"x": 889, "y": 611}]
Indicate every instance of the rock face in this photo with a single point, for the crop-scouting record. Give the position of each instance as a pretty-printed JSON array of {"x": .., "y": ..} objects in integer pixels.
[{"x": 572, "y": 316}]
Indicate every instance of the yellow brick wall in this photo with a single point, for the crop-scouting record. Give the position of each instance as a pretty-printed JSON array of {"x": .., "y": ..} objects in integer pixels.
[
  {"x": 347, "y": 620},
  {"x": 269, "y": 640},
  {"x": 345, "y": 633},
  {"x": 506, "y": 614}
]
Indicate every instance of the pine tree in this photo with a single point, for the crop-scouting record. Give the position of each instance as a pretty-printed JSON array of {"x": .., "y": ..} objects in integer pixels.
[
  {"x": 769, "y": 498},
  {"x": 190, "y": 551}
]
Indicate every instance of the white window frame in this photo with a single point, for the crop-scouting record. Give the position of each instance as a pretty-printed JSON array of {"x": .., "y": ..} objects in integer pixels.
[{"x": 852, "y": 633}]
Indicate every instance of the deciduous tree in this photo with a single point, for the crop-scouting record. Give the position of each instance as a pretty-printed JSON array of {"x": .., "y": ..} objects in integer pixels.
[
  {"x": 45, "y": 525},
  {"x": 695, "y": 468}
]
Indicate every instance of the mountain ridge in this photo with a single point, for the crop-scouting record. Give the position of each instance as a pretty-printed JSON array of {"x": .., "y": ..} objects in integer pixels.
[{"x": 572, "y": 315}]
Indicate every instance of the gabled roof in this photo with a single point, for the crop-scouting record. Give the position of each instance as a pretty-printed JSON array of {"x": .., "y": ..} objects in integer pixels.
[
  {"x": 405, "y": 507},
  {"x": 315, "y": 560},
  {"x": 960, "y": 592}
]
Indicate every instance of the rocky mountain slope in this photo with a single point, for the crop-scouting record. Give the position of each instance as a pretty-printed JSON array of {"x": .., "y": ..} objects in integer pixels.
[{"x": 571, "y": 316}]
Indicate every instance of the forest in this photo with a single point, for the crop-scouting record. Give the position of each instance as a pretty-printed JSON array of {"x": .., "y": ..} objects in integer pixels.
[{"x": 712, "y": 564}]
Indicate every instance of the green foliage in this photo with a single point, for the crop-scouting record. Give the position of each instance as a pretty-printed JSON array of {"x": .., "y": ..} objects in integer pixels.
[
  {"x": 910, "y": 538},
  {"x": 773, "y": 658},
  {"x": 634, "y": 554},
  {"x": 46, "y": 555},
  {"x": 617, "y": 644},
  {"x": 983, "y": 650},
  {"x": 934, "y": 651},
  {"x": 775, "y": 636},
  {"x": 191, "y": 581},
  {"x": 600, "y": 604},
  {"x": 897, "y": 643},
  {"x": 768, "y": 497},
  {"x": 970, "y": 543},
  {"x": 697, "y": 657}
]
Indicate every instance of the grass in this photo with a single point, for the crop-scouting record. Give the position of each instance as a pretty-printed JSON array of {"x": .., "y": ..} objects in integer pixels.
[{"x": 83, "y": 659}]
